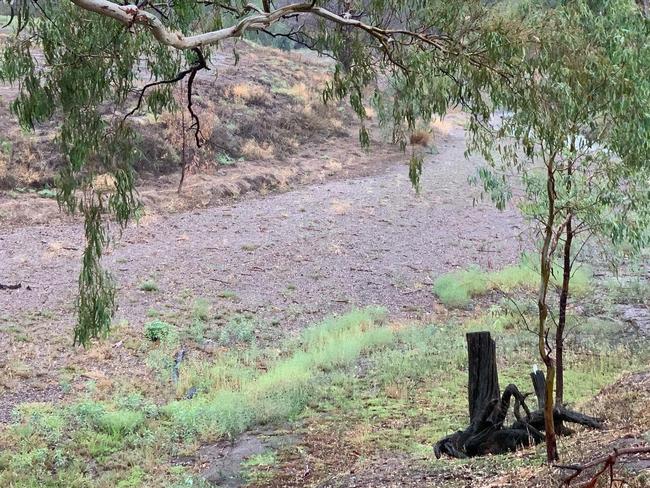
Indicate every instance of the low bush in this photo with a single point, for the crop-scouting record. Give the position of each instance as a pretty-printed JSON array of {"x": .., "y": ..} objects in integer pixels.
[{"x": 157, "y": 330}]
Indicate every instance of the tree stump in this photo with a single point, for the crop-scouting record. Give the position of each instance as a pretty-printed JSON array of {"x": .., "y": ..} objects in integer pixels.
[
  {"x": 483, "y": 385},
  {"x": 488, "y": 409},
  {"x": 539, "y": 386}
]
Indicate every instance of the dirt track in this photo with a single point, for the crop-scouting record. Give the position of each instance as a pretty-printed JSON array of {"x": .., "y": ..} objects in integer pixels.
[{"x": 322, "y": 248}]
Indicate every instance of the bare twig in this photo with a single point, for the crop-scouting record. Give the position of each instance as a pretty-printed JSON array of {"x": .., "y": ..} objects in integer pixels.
[{"x": 607, "y": 462}]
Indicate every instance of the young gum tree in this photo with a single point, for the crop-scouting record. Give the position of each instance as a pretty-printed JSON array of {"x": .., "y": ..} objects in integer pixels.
[{"x": 578, "y": 131}]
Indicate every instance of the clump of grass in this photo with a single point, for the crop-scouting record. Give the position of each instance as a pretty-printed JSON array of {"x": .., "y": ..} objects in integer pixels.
[
  {"x": 227, "y": 294},
  {"x": 201, "y": 309},
  {"x": 257, "y": 468},
  {"x": 239, "y": 330},
  {"x": 456, "y": 289},
  {"x": 249, "y": 94},
  {"x": 120, "y": 422},
  {"x": 251, "y": 149},
  {"x": 148, "y": 285}
]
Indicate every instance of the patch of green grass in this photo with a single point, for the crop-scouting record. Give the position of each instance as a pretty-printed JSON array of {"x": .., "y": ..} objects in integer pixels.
[
  {"x": 135, "y": 478},
  {"x": 148, "y": 286},
  {"x": 120, "y": 422},
  {"x": 227, "y": 294},
  {"x": 258, "y": 468},
  {"x": 457, "y": 288},
  {"x": 634, "y": 290},
  {"x": 241, "y": 396},
  {"x": 238, "y": 330},
  {"x": 201, "y": 309}
]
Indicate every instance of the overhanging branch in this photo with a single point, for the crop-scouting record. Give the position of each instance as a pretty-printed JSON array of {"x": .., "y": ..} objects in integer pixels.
[{"x": 130, "y": 15}]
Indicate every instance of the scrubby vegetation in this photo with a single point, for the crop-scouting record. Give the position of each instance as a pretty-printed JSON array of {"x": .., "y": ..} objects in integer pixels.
[{"x": 389, "y": 387}]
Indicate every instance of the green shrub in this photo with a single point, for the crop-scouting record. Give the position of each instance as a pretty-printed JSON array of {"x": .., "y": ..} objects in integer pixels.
[
  {"x": 239, "y": 330},
  {"x": 157, "y": 330}
]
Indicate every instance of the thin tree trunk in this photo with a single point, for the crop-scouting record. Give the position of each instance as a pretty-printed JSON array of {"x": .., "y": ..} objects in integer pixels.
[
  {"x": 564, "y": 294},
  {"x": 546, "y": 261},
  {"x": 561, "y": 323}
]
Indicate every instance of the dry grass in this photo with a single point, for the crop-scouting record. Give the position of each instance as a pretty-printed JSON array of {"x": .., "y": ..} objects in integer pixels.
[
  {"x": 103, "y": 183},
  {"x": 420, "y": 137},
  {"x": 249, "y": 93},
  {"x": 251, "y": 149},
  {"x": 300, "y": 91},
  {"x": 441, "y": 126},
  {"x": 4, "y": 160}
]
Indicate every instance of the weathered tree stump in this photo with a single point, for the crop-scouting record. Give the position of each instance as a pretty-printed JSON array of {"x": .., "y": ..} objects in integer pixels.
[
  {"x": 483, "y": 384},
  {"x": 486, "y": 433}
]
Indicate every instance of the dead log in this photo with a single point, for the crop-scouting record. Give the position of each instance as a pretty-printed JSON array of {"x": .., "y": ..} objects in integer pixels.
[{"x": 486, "y": 433}]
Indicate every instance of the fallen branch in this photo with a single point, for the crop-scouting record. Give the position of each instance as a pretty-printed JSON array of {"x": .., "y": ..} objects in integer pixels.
[
  {"x": 10, "y": 287},
  {"x": 607, "y": 462}
]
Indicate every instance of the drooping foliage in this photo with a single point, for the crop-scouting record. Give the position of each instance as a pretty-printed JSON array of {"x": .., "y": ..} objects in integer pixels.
[
  {"x": 576, "y": 126},
  {"x": 414, "y": 58}
]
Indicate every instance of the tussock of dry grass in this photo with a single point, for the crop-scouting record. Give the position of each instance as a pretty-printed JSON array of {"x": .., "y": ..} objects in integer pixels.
[
  {"x": 104, "y": 183},
  {"x": 249, "y": 93},
  {"x": 251, "y": 149},
  {"x": 441, "y": 126},
  {"x": 420, "y": 138},
  {"x": 300, "y": 91}
]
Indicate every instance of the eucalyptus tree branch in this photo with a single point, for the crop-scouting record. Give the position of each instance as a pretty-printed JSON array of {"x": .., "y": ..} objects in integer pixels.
[
  {"x": 191, "y": 71},
  {"x": 132, "y": 14}
]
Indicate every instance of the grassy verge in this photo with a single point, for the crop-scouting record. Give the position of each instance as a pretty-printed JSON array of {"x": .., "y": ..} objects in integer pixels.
[{"x": 129, "y": 441}]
